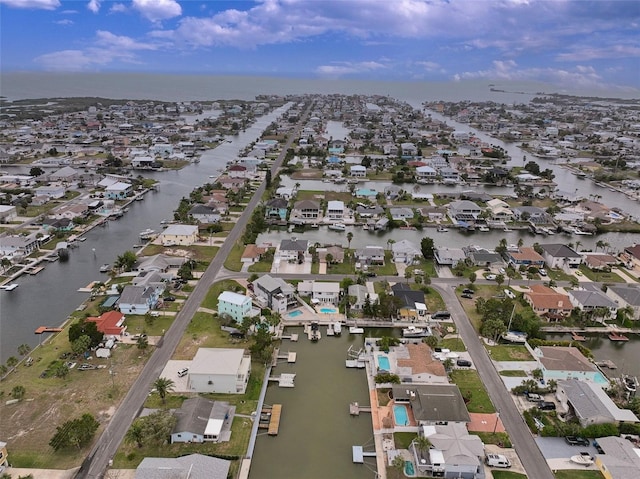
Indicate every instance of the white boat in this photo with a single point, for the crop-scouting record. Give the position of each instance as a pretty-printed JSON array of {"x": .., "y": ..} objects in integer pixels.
[
  {"x": 105, "y": 268},
  {"x": 515, "y": 337},
  {"x": 630, "y": 383},
  {"x": 337, "y": 328},
  {"x": 583, "y": 459},
  {"x": 356, "y": 330},
  {"x": 506, "y": 230},
  {"x": 416, "y": 332},
  {"x": 484, "y": 229},
  {"x": 337, "y": 227},
  {"x": 146, "y": 234},
  {"x": 442, "y": 229},
  {"x": 10, "y": 287}
]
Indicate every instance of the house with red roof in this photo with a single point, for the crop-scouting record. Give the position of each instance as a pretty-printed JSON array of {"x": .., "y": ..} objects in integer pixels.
[
  {"x": 110, "y": 323},
  {"x": 548, "y": 303}
]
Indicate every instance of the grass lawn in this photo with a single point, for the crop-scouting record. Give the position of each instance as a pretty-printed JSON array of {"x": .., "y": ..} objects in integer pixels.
[
  {"x": 432, "y": 299},
  {"x": 472, "y": 390},
  {"x": 507, "y": 475},
  {"x": 260, "y": 267},
  {"x": 513, "y": 373},
  {"x": 211, "y": 299},
  {"x": 504, "y": 352},
  {"x": 453, "y": 344},
  {"x": 138, "y": 323},
  {"x": 577, "y": 474},
  {"x": 233, "y": 262},
  {"x": 494, "y": 438},
  {"x": 403, "y": 439},
  {"x": 600, "y": 276}
]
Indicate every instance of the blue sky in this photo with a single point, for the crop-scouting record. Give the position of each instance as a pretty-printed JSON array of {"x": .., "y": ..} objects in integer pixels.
[{"x": 569, "y": 43}]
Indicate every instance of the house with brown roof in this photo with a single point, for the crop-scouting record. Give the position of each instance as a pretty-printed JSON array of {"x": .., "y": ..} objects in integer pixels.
[
  {"x": 526, "y": 256},
  {"x": 252, "y": 254},
  {"x": 599, "y": 260},
  {"x": 560, "y": 362},
  {"x": 548, "y": 303},
  {"x": 110, "y": 323}
]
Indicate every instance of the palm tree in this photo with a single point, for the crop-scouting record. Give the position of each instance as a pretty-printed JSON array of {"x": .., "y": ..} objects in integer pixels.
[
  {"x": 599, "y": 244},
  {"x": 136, "y": 433},
  {"x": 389, "y": 243},
  {"x": 24, "y": 349},
  {"x": 349, "y": 238},
  {"x": 163, "y": 386},
  {"x": 422, "y": 443},
  {"x": 578, "y": 244}
]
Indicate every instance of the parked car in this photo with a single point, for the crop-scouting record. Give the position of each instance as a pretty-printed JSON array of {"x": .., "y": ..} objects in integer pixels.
[
  {"x": 576, "y": 441},
  {"x": 466, "y": 296},
  {"x": 464, "y": 363},
  {"x": 183, "y": 372},
  {"x": 169, "y": 298},
  {"x": 497, "y": 460},
  {"x": 542, "y": 271},
  {"x": 490, "y": 277},
  {"x": 468, "y": 291},
  {"x": 441, "y": 315},
  {"x": 509, "y": 293},
  {"x": 534, "y": 397},
  {"x": 547, "y": 406}
]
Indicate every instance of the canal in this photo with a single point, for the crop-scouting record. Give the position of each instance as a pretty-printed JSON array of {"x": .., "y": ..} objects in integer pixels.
[
  {"x": 316, "y": 431},
  {"x": 48, "y": 298}
]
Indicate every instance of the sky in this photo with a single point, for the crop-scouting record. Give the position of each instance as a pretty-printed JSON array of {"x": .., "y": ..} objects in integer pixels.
[{"x": 579, "y": 43}]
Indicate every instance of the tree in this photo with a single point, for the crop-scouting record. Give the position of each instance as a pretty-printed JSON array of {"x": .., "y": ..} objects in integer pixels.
[
  {"x": 422, "y": 443},
  {"x": 431, "y": 341},
  {"x": 426, "y": 246},
  {"x": 142, "y": 342},
  {"x": 18, "y": 392},
  {"x": 268, "y": 178},
  {"x": 163, "y": 386},
  {"x": 493, "y": 328},
  {"x": 24, "y": 349},
  {"x": 126, "y": 260},
  {"x": 349, "y": 238},
  {"x": 12, "y": 361},
  {"x": 81, "y": 344},
  {"x": 76, "y": 432},
  {"x": 500, "y": 279},
  {"x": 83, "y": 327},
  {"x": 136, "y": 433},
  {"x": 36, "y": 171},
  {"x": 472, "y": 277},
  {"x": 61, "y": 370}
]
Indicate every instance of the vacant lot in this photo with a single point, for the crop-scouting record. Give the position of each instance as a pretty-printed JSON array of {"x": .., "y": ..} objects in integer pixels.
[{"x": 472, "y": 390}]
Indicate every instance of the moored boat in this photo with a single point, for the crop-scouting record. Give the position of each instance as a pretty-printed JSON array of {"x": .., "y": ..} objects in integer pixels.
[
  {"x": 10, "y": 287},
  {"x": 356, "y": 330},
  {"x": 583, "y": 459},
  {"x": 105, "y": 268},
  {"x": 630, "y": 383},
  {"x": 337, "y": 227},
  {"x": 416, "y": 332},
  {"x": 337, "y": 328},
  {"x": 442, "y": 229}
]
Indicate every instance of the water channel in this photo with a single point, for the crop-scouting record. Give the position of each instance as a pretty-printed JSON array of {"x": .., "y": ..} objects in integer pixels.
[{"x": 316, "y": 431}]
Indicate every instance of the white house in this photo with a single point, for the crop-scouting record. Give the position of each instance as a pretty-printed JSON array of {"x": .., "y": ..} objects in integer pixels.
[
  {"x": 219, "y": 370},
  {"x": 464, "y": 210},
  {"x": 404, "y": 251},
  {"x": 118, "y": 190},
  {"x": 236, "y": 305},
  {"x": 358, "y": 171},
  {"x": 335, "y": 210},
  {"x": 560, "y": 256},
  {"x": 179, "y": 235},
  {"x": 426, "y": 173}
]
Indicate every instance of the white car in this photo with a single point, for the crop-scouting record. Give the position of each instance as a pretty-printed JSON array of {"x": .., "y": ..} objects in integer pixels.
[
  {"x": 542, "y": 271},
  {"x": 502, "y": 271},
  {"x": 491, "y": 277}
]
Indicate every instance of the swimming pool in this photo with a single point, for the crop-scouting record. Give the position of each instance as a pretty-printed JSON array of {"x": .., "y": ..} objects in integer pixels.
[
  {"x": 383, "y": 363},
  {"x": 294, "y": 313},
  {"x": 600, "y": 378},
  {"x": 328, "y": 310},
  {"x": 400, "y": 415},
  {"x": 409, "y": 470}
]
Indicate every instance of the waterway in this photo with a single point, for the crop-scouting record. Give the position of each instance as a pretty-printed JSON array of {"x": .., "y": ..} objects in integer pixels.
[
  {"x": 316, "y": 430},
  {"x": 48, "y": 298}
]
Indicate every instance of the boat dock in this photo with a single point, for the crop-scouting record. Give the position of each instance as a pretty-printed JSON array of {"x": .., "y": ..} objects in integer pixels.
[
  {"x": 293, "y": 337},
  {"x": 577, "y": 337},
  {"x": 330, "y": 331},
  {"x": 285, "y": 380},
  {"x": 606, "y": 363},
  {"x": 46, "y": 329},
  {"x": 355, "y": 409},
  {"x": 355, "y": 363},
  {"x": 358, "y": 453},
  {"x": 289, "y": 356},
  {"x": 312, "y": 331},
  {"x": 274, "y": 413}
]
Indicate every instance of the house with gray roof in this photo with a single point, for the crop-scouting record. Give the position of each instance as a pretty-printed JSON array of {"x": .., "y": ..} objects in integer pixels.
[
  {"x": 160, "y": 262},
  {"x": 200, "y": 420},
  {"x": 464, "y": 210},
  {"x": 219, "y": 370},
  {"x": 275, "y": 293},
  {"x": 370, "y": 255},
  {"x": 449, "y": 256},
  {"x": 626, "y": 296},
  {"x": 276, "y": 209},
  {"x": 558, "y": 255},
  {"x": 433, "y": 403},
  {"x": 358, "y": 294},
  {"x": 590, "y": 404},
  {"x": 405, "y": 251},
  {"x": 589, "y": 298},
  {"x": 192, "y": 466},
  {"x": 205, "y": 214},
  {"x": 306, "y": 210},
  {"x": 532, "y": 214},
  {"x": 559, "y": 362},
  {"x": 138, "y": 299},
  {"x": 620, "y": 459},
  {"x": 293, "y": 249}
]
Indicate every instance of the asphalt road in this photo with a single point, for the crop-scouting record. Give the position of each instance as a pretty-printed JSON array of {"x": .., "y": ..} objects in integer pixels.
[
  {"x": 532, "y": 459},
  {"x": 107, "y": 444}
]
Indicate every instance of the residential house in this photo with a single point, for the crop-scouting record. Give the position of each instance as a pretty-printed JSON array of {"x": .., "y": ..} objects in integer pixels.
[
  {"x": 358, "y": 294},
  {"x": 548, "y": 303},
  {"x": 286, "y": 192},
  {"x": 405, "y": 251},
  {"x": 560, "y": 256},
  {"x": 358, "y": 171},
  {"x": 370, "y": 255},
  {"x": 193, "y": 466},
  {"x": 599, "y": 261},
  {"x": 408, "y": 149},
  {"x": 199, "y": 420},
  {"x": 369, "y": 211},
  {"x": 626, "y": 296},
  {"x": 275, "y": 293},
  {"x": 411, "y": 305},
  {"x": 276, "y": 209},
  {"x": 426, "y": 174},
  {"x": 8, "y": 213},
  {"x": 453, "y": 452},
  {"x": 53, "y": 191},
  {"x": 306, "y": 210},
  {"x": 335, "y": 210},
  {"x": 449, "y": 256},
  {"x": 483, "y": 257},
  {"x": 433, "y": 404},
  {"x": 633, "y": 253},
  {"x": 204, "y": 214},
  {"x": 252, "y": 254},
  {"x": 70, "y": 211},
  {"x": 532, "y": 214},
  {"x": 464, "y": 210},
  {"x": 500, "y": 210},
  {"x": 137, "y": 299},
  {"x": 591, "y": 298},
  {"x": 590, "y": 404},
  {"x": 58, "y": 224},
  {"x": 184, "y": 235},
  {"x": 449, "y": 175},
  {"x": 219, "y": 370},
  {"x": 161, "y": 263},
  {"x": 237, "y": 306},
  {"x": 525, "y": 256},
  {"x": 293, "y": 250},
  {"x": 110, "y": 323},
  {"x": 620, "y": 459},
  {"x": 13, "y": 246},
  {"x": 320, "y": 292},
  {"x": 401, "y": 214},
  {"x": 237, "y": 171},
  {"x": 118, "y": 190},
  {"x": 561, "y": 362},
  {"x": 65, "y": 174},
  {"x": 336, "y": 252}
]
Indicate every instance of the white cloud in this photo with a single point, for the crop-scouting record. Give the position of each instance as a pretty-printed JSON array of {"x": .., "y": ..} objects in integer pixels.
[
  {"x": 37, "y": 4},
  {"x": 346, "y": 68},
  {"x": 66, "y": 21},
  {"x": 94, "y": 6},
  {"x": 156, "y": 10},
  {"x": 121, "y": 42},
  {"x": 118, "y": 8},
  {"x": 430, "y": 66},
  {"x": 597, "y": 53}
]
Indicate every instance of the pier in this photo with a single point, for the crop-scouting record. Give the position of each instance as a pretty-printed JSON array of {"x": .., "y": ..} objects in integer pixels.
[
  {"x": 285, "y": 380},
  {"x": 290, "y": 357},
  {"x": 274, "y": 422},
  {"x": 293, "y": 337},
  {"x": 355, "y": 409},
  {"x": 46, "y": 329},
  {"x": 606, "y": 363},
  {"x": 358, "y": 454}
]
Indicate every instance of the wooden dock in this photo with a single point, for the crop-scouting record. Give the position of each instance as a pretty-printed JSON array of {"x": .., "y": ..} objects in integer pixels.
[
  {"x": 577, "y": 337},
  {"x": 46, "y": 329},
  {"x": 293, "y": 337},
  {"x": 274, "y": 422},
  {"x": 606, "y": 363},
  {"x": 355, "y": 409}
]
